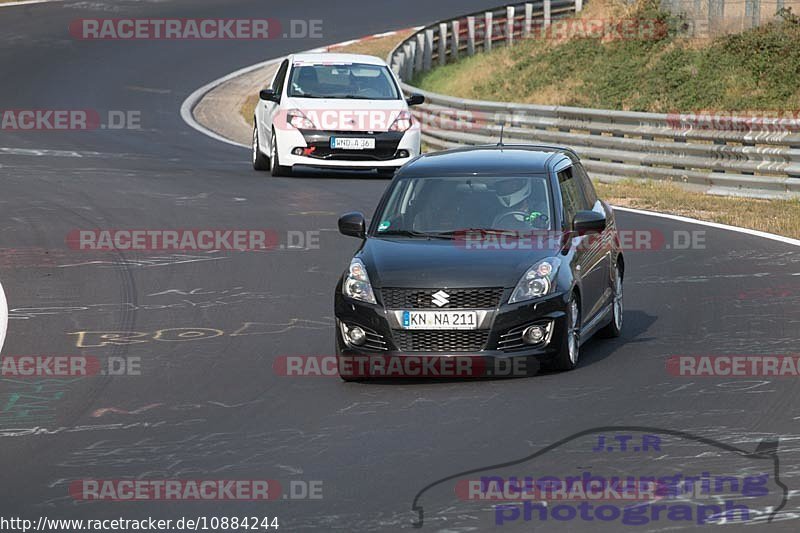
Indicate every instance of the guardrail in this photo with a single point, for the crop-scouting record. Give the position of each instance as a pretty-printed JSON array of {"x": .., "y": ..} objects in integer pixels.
[{"x": 722, "y": 154}]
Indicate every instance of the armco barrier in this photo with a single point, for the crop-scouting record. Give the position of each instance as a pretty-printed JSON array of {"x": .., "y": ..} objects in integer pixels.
[{"x": 727, "y": 155}]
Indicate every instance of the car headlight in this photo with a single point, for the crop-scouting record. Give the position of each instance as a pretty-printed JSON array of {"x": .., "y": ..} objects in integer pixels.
[
  {"x": 356, "y": 285},
  {"x": 538, "y": 281},
  {"x": 297, "y": 119},
  {"x": 402, "y": 122}
]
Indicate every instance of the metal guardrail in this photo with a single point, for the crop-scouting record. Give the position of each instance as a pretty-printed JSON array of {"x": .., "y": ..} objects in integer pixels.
[{"x": 752, "y": 156}]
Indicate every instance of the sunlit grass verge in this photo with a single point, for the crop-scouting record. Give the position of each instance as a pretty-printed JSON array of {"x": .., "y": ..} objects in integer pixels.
[{"x": 781, "y": 217}]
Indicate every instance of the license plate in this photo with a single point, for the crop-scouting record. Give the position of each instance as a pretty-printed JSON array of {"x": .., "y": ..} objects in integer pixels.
[
  {"x": 352, "y": 143},
  {"x": 440, "y": 320}
]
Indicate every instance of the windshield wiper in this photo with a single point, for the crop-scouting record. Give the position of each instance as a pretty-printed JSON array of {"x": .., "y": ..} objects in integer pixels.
[
  {"x": 483, "y": 230},
  {"x": 417, "y": 234}
]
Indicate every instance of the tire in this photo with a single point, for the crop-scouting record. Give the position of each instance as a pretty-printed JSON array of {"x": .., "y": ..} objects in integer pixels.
[
  {"x": 260, "y": 161},
  {"x": 614, "y": 328},
  {"x": 277, "y": 169},
  {"x": 567, "y": 358}
]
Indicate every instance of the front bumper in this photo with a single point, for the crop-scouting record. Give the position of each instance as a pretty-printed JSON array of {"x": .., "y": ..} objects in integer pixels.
[
  {"x": 494, "y": 349},
  {"x": 386, "y": 155}
]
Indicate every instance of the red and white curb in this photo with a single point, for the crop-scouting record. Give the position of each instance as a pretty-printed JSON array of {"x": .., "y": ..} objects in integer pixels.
[
  {"x": 374, "y": 36},
  {"x": 188, "y": 105}
]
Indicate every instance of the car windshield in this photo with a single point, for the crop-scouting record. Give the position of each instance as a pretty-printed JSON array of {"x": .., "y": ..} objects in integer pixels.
[
  {"x": 425, "y": 207},
  {"x": 344, "y": 80}
]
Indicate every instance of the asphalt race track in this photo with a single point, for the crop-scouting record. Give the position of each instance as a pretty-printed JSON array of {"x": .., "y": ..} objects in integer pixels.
[{"x": 208, "y": 404}]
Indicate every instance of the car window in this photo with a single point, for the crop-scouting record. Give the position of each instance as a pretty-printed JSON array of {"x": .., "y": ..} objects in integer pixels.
[
  {"x": 572, "y": 196},
  {"x": 451, "y": 204},
  {"x": 277, "y": 83},
  {"x": 342, "y": 80},
  {"x": 586, "y": 183}
]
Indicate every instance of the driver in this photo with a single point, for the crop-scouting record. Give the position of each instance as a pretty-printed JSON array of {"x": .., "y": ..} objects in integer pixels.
[{"x": 522, "y": 209}]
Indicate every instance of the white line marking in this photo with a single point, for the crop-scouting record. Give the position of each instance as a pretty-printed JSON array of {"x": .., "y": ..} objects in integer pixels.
[
  {"x": 344, "y": 43},
  {"x": 27, "y": 2},
  {"x": 755, "y": 233},
  {"x": 3, "y": 316},
  {"x": 188, "y": 105}
]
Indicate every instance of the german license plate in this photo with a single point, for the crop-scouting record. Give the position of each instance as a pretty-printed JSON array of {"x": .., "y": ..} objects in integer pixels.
[
  {"x": 352, "y": 143},
  {"x": 440, "y": 320}
]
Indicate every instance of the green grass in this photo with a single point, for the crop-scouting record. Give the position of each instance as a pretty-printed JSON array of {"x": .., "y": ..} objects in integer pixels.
[
  {"x": 781, "y": 217},
  {"x": 755, "y": 70}
]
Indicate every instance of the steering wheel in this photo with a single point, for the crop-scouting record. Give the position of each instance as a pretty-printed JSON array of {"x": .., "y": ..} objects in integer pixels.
[{"x": 501, "y": 216}]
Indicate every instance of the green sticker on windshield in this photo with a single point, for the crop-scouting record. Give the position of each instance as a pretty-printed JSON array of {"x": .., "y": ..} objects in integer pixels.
[{"x": 383, "y": 226}]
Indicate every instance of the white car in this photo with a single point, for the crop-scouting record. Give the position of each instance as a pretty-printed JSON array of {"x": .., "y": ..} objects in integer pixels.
[{"x": 334, "y": 111}]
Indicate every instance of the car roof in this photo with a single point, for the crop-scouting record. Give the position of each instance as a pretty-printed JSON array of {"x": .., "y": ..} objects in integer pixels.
[
  {"x": 328, "y": 57},
  {"x": 489, "y": 159}
]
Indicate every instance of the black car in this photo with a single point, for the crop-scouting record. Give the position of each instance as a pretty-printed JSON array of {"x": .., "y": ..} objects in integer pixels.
[{"x": 493, "y": 252}]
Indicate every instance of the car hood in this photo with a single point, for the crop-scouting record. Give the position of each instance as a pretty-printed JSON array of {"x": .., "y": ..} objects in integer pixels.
[
  {"x": 441, "y": 264},
  {"x": 342, "y": 114}
]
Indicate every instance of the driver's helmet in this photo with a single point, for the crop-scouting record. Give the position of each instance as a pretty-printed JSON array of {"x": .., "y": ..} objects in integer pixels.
[{"x": 513, "y": 191}]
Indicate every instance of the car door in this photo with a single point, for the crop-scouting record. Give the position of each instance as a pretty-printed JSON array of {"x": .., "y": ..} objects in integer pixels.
[
  {"x": 588, "y": 250},
  {"x": 268, "y": 110},
  {"x": 605, "y": 243}
]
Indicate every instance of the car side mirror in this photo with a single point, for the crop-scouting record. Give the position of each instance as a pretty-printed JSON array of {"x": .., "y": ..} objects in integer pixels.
[
  {"x": 415, "y": 99},
  {"x": 269, "y": 95},
  {"x": 353, "y": 225},
  {"x": 588, "y": 222}
]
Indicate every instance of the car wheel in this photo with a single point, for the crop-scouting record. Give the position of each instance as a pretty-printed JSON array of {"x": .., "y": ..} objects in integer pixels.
[
  {"x": 277, "y": 169},
  {"x": 567, "y": 358},
  {"x": 614, "y": 328},
  {"x": 260, "y": 161}
]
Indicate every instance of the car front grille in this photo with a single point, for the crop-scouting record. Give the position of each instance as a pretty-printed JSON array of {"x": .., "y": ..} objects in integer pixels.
[
  {"x": 380, "y": 153},
  {"x": 440, "y": 341},
  {"x": 375, "y": 341},
  {"x": 487, "y": 298},
  {"x": 512, "y": 340},
  {"x": 386, "y": 145}
]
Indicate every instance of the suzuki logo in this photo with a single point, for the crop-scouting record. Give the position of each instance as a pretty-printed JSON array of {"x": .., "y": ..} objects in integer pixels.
[{"x": 440, "y": 299}]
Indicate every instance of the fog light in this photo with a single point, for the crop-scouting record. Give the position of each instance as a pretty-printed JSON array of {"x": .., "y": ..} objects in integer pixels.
[
  {"x": 297, "y": 151},
  {"x": 402, "y": 153},
  {"x": 356, "y": 336},
  {"x": 533, "y": 335}
]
